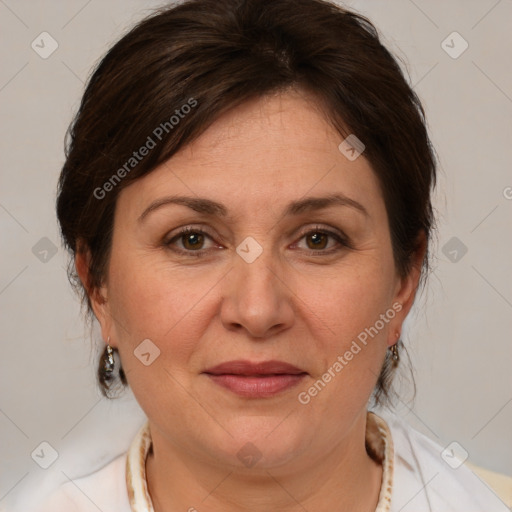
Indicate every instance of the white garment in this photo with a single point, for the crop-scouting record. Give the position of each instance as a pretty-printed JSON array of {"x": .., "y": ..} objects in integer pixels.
[{"x": 415, "y": 478}]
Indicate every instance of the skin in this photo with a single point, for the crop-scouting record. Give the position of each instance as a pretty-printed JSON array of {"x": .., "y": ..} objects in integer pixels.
[{"x": 293, "y": 303}]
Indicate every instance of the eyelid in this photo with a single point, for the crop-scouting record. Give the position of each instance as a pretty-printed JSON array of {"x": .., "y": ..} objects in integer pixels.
[
  {"x": 324, "y": 229},
  {"x": 180, "y": 232},
  {"x": 335, "y": 233},
  {"x": 192, "y": 228}
]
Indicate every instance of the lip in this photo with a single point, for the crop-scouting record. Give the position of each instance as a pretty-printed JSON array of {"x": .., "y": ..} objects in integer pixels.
[
  {"x": 250, "y": 368},
  {"x": 256, "y": 379}
]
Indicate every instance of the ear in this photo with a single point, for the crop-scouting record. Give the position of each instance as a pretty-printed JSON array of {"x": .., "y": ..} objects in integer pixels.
[
  {"x": 406, "y": 288},
  {"x": 97, "y": 296}
]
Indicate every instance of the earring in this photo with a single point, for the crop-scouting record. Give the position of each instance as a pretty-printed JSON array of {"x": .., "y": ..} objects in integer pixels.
[
  {"x": 108, "y": 362},
  {"x": 394, "y": 352}
]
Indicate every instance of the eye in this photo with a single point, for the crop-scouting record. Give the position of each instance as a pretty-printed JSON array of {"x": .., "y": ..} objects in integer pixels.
[
  {"x": 191, "y": 239},
  {"x": 317, "y": 240}
]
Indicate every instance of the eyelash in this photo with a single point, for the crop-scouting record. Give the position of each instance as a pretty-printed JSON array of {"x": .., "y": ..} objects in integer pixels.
[{"x": 344, "y": 242}]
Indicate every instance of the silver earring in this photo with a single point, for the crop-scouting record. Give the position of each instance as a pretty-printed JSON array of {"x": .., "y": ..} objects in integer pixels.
[
  {"x": 108, "y": 363},
  {"x": 394, "y": 352}
]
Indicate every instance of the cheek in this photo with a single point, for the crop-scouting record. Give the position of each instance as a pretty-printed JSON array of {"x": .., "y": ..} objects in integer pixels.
[
  {"x": 355, "y": 312},
  {"x": 152, "y": 299},
  {"x": 351, "y": 299},
  {"x": 149, "y": 302}
]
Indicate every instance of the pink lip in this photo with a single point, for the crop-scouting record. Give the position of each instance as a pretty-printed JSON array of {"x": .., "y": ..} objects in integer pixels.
[{"x": 256, "y": 380}]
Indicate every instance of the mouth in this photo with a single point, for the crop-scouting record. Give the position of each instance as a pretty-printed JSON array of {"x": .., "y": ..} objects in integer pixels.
[{"x": 256, "y": 380}]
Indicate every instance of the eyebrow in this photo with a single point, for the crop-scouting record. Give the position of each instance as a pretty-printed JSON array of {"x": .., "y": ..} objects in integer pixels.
[{"x": 209, "y": 207}]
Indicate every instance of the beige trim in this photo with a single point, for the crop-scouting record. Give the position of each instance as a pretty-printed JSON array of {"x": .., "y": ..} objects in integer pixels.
[
  {"x": 501, "y": 484},
  {"x": 384, "y": 503},
  {"x": 136, "y": 483}
]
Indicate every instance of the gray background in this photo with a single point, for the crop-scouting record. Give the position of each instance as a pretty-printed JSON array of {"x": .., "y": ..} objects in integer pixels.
[{"x": 458, "y": 336}]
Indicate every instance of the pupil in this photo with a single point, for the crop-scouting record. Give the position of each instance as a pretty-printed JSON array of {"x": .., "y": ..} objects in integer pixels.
[
  {"x": 318, "y": 238},
  {"x": 193, "y": 239}
]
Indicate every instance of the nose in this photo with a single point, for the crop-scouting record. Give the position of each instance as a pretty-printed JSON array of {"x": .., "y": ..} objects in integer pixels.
[{"x": 258, "y": 297}]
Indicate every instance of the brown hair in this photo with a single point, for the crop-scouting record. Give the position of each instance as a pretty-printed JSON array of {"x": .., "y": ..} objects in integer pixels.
[{"x": 213, "y": 55}]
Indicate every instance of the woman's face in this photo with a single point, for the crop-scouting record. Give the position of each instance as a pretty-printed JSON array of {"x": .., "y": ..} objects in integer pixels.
[{"x": 274, "y": 276}]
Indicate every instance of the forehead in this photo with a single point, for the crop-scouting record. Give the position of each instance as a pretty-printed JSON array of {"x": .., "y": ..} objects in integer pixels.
[{"x": 271, "y": 150}]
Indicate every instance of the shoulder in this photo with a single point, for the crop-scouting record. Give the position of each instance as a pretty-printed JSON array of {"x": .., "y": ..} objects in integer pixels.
[
  {"x": 104, "y": 490},
  {"x": 427, "y": 480}
]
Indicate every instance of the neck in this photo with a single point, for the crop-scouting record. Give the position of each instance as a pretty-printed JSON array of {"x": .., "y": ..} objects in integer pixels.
[{"x": 343, "y": 477}]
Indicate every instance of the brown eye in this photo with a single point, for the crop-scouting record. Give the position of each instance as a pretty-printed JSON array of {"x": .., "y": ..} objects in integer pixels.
[
  {"x": 321, "y": 241},
  {"x": 318, "y": 240},
  {"x": 189, "y": 241},
  {"x": 192, "y": 240}
]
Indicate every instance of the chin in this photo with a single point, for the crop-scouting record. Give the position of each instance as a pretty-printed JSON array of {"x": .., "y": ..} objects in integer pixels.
[{"x": 262, "y": 442}]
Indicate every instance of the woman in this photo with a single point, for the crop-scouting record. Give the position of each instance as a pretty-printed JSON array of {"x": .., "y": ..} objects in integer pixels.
[{"x": 246, "y": 197}]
